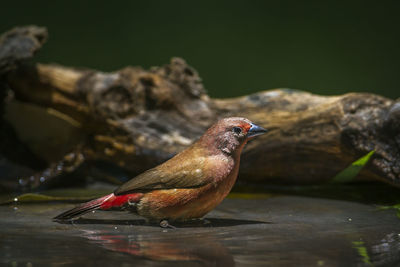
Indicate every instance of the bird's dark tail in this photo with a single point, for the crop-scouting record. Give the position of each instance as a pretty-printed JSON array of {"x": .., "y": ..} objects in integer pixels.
[
  {"x": 82, "y": 209},
  {"x": 107, "y": 202}
]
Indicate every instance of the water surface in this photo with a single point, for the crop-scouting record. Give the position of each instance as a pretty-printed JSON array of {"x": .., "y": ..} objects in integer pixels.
[{"x": 279, "y": 231}]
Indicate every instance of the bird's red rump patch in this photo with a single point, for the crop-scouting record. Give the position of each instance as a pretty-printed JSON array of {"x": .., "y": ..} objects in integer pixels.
[{"x": 118, "y": 201}]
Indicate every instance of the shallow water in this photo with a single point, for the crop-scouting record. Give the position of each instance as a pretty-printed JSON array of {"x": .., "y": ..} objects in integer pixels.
[{"x": 278, "y": 231}]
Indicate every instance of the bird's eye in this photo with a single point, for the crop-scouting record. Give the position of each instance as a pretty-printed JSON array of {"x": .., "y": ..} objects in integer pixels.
[{"x": 237, "y": 130}]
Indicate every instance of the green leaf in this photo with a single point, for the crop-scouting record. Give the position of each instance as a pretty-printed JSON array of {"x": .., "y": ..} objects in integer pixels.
[
  {"x": 362, "y": 251},
  {"x": 348, "y": 174},
  {"x": 395, "y": 207},
  {"x": 35, "y": 198},
  {"x": 74, "y": 195}
]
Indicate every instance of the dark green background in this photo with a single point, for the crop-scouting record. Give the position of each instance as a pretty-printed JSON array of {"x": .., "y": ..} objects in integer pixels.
[{"x": 238, "y": 47}]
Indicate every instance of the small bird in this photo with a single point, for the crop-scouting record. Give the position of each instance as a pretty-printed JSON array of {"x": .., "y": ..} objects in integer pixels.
[{"x": 187, "y": 186}]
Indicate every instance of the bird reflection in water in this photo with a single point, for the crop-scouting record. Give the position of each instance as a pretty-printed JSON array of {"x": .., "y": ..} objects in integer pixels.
[{"x": 202, "y": 248}]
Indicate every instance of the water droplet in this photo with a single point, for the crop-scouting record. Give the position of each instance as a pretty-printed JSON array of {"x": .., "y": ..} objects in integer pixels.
[
  {"x": 42, "y": 179},
  {"x": 15, "y": 208},
  {"x": 115, "y": 227},
  {"x": 15, "y": 199},
  {"x": 350, "y": 219},
  {"x": 165, "y": 231},
  {"x": 22, "y": 181},
  {"x": 93, "y": 211}
]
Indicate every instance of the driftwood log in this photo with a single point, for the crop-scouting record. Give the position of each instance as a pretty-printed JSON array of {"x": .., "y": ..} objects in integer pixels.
[
  {"x": 16, "y": 46},
  {"x": 135, "y": 118}
]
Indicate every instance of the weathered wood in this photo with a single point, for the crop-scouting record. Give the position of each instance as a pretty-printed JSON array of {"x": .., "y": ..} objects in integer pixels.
[
  {"x": 19, "y": 44},
  {"x": 137, "y": 118},
  {"x": 16, "y": 46}
]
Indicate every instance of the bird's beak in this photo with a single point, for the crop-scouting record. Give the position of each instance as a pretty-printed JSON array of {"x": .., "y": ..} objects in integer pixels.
[{"x": 255, "y": 130}]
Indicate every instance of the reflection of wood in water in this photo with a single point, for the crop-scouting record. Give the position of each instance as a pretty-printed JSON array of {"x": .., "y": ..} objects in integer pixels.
[
  {"x": 387, "y": 251},
  {"x": 204, "y": 249}
]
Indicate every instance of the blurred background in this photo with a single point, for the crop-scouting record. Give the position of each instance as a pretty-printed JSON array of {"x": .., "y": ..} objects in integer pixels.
[{"x": 238, "y": 47}]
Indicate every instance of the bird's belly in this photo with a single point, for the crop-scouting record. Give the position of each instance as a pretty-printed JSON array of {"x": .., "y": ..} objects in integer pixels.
[{"x": 184, "y": 204}]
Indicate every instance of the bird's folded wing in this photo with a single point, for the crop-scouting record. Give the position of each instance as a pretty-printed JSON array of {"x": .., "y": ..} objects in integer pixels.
[{"x": 186, "y": 174}]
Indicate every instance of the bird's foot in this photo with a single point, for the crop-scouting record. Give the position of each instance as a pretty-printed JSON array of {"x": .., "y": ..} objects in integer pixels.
[
  {"x": 165, "y": 224},
  {"x": 205, "y": 221}
]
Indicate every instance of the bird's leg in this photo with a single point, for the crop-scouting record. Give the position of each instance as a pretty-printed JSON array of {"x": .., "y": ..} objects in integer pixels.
[
  {"x": 205, "y": 221},
  {"x": 165, "y": 224}
]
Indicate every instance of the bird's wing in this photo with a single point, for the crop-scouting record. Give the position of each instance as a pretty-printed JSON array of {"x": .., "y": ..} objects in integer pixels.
[{"x": 185, "y": 174}]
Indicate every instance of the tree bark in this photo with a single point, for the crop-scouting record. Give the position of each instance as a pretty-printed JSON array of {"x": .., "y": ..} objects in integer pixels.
[{"x": 136, "y": 118}]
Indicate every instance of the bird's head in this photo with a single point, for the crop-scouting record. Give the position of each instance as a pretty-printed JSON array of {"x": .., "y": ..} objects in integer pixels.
[{"x": 229, "y": 135}]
